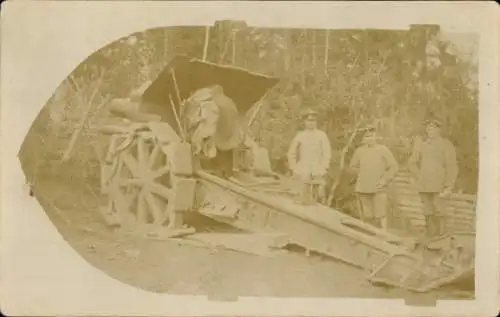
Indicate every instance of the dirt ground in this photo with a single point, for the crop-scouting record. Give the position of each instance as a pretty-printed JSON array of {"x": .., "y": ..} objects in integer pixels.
[{"x": 168, "y": 266}]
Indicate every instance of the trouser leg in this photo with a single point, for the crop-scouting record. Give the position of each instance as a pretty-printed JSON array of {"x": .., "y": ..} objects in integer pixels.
[
  {"x": 366, "y": 206},
  {"x": 380, "y": 209},
  {"x": 319, "y": 189},
  {"x": 430, "y": 212}
]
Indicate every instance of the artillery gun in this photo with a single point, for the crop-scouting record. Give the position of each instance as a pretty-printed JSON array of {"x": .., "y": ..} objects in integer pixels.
[{"x": 183, "y": 148}]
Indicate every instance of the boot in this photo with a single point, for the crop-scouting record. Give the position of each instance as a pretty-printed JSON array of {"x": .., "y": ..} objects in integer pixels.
[
  {"x": 384, "y": 223},
  {"x": 436, "y": 220},
  {"x": 429, "y": 230},
  {"x": 432, "y": 226}
]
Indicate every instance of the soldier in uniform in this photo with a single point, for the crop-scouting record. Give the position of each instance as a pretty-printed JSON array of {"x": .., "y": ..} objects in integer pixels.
[
  {"x": 310, "y": 152},
  {"x": 434, "y": 165},
  {"x": 375, "y": 167}
]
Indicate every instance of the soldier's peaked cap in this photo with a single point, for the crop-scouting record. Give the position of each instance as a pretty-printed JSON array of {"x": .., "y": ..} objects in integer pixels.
[
  {"x": 368, "y": 128},
  {"x": 309, "y": 113},
  {"x": 434, "y": 122}
]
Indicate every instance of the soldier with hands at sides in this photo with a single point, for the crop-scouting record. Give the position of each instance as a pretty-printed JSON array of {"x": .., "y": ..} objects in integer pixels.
[
  {"x": 310, "y": 152},
  {"x": 434, "y": 165}
]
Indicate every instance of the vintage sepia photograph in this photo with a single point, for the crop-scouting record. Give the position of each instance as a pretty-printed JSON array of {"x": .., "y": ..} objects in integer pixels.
[{"x": 231, "y": 160}]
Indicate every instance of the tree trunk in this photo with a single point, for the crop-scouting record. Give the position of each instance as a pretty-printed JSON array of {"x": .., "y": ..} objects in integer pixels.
[
  {"x": 207, "y": 39},
  {"x": 327, "y": 48},
  {"x": 234, "y": 48},
  {"x": 314, "y": 48},
  {"x": 288, "y": 51},
  {"x": 79, "y": 128}
]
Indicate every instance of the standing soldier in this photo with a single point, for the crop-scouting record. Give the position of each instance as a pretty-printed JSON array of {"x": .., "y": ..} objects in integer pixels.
[
  {"x": 310, "y": 152},
  {"x": 375, "y": 167},
  {"x": 434, "y": 165}
]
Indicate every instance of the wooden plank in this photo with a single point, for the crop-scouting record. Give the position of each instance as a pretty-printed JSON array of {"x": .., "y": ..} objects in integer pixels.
[
  {"x": 460, "y": 204},
  {"x": 452, "y": 229},
  {"x": 460, "y": 222},
  {"x": 413, "y": 208},
  {"x": 469, "y": 224},
  {"x": 415, "y": 218},
  {"x": 410, "y": 191},
  {"x": 465, "y": 211},
  {"x": 411, "y": 204},
  {"x": 250, "y": 243},
  {"x": 408, "y": 186},
  {"x": 461, "y": 214},
  {"x": 417, "y": 221}
]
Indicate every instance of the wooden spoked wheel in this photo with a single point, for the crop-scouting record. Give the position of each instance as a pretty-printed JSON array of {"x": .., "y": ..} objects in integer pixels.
[{"x": 139, "y": 183}]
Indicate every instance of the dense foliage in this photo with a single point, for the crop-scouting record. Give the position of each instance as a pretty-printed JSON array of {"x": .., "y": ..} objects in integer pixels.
[{"x": 394, "y": 79}]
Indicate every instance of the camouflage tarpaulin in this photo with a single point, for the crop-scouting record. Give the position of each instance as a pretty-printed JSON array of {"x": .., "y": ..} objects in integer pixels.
[{"x": 242, "y": 86}]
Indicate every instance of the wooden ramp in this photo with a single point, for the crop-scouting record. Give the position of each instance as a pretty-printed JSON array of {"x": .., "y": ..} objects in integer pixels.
[
  {"x": 387, "y": 258},
  {"x": 314, "y": 227}
]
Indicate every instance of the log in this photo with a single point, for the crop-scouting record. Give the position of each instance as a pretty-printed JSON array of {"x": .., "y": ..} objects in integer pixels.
[
  {"x": 460, "y": 204},
  {"x": 416, "y": 212},
  {"x": 459, "y": 221},
  {"x": 458, "y": 228},
  {"x": 409, "y": 189},
  {"x": 417, "y": 205},
  {"x": 413, "y": 216},
  {"x": 411, "y": 194}
]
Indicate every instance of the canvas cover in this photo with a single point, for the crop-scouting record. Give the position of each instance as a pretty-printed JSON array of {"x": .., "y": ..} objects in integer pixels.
[{"x": 243, "y": 87}]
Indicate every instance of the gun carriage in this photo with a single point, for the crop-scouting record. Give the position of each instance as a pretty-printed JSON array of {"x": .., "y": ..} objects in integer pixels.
[{"x": 183, "y": 147}]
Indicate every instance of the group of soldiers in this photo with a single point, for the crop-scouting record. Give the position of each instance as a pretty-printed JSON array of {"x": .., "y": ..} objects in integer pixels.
[
  {"x": 433, "y": 165},
  {"x": 433, "y": 162}
]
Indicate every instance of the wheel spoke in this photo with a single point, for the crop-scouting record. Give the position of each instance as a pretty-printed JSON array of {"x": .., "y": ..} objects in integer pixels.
[
  {"x": 132, "y": 165},
  {"x": 158, "y": 213},
  {"x": 142, "y": 151},
  {"x": 160, "y": 172},
  {"x": 154, "y": 156},
  {"x": 160, "y": 190},
  {"x": 133, "y": 190}
]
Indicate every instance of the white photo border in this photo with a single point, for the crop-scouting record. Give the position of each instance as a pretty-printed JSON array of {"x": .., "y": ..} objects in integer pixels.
[{"x": 43, "y": 41}]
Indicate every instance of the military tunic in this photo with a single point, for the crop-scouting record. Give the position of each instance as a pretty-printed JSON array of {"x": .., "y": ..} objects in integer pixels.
[
  {"x": 309, "y": 154},
  {"x": 376, "y": 167},
  {"x": 434, "y": 164}
]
